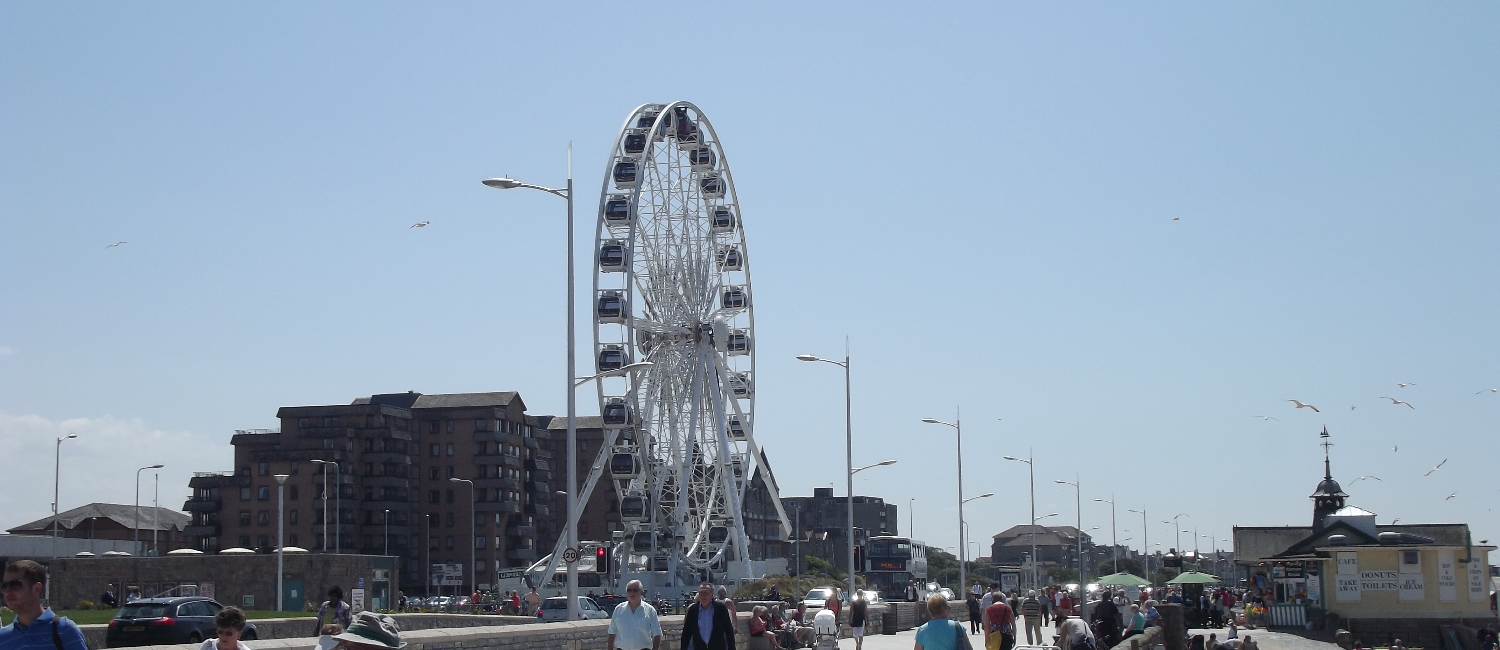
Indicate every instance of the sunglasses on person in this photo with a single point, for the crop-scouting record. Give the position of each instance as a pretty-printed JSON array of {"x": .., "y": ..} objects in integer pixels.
[
  {"x": 12, "y": 585},
  {"x": 632, "y": 590}
]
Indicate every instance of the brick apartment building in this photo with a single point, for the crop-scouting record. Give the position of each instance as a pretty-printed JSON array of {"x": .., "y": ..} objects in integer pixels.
[
  {"x": 395, "y": 456},
  {"x": 825, "y": 513}
]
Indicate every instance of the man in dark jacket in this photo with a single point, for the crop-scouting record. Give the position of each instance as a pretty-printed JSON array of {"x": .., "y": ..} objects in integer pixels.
[{"x": 708, "y": 624}]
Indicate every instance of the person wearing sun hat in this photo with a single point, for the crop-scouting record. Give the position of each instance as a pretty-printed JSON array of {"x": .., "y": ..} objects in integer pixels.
[{"x": 371, "y": 631}]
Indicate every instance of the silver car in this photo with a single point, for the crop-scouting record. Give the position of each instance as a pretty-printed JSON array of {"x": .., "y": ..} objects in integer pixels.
[{"x": 556, "y": 609}]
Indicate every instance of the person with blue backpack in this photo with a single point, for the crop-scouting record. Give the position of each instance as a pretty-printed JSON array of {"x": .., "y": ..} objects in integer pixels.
[{"x": 35, "y": 627}]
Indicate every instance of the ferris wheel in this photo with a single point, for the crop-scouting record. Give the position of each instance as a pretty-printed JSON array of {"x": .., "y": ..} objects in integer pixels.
[{"x": 672, "y": 287}]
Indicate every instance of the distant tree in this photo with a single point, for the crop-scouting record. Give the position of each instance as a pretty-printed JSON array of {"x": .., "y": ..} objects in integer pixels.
[{"x": 1127, "y": 565}]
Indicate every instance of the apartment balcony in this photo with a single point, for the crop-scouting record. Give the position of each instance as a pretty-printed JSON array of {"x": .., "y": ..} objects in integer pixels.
[
  {"x": 537, "y": 486},
  {"x": 386, "y": 480},
  {"x": 511, "y": 461},
  {"x": 531, "y": 443},
  {"x": 538, "y": 464},
  {"x": 385, "y": 503},
  {"x": 527, "y": 554},
  {"x": 538, "y": 509},
  {"x": 203, "y": 505},
  {"x": 218, "y": 480},
  {"x": 327, "y": 432},
  {"x": 540, "y": 475},
  {"x": 498, "y": 506},
  {"x": 385, "y": 457},
  {"x": 521, "y": 531},
  {"x": 498, "y": 482},
  {"x": 202, "y": 530}
]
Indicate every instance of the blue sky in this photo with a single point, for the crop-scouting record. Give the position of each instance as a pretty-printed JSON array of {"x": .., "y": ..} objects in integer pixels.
[{"x": 980, "y": 196}]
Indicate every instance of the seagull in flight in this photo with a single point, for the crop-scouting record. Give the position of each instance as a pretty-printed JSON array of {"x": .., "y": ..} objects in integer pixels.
[
  {"x": 1177, "y": 218},
  {"x": 1300, "y": 405},
  {"x": 1395, "y": 401},
  {"x": 1265, "y": 418},
  {"x": 1439, "y": 466},
  {"x": 1395, "y": 448},
  {"x": 1405, "y": 385},
  {"x": 1351, "y": 408},
  {"x": 1365, "y": 477},
  {"x": 1487, "y": 390},
  {"x": 1450, "y": 496},
  {"x": 420, "y": 224},
  {"x": 120, "y": 242}
]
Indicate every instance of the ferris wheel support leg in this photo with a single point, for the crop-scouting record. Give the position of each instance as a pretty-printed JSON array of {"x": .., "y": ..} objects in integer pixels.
[{"x": 726, "y": 473}]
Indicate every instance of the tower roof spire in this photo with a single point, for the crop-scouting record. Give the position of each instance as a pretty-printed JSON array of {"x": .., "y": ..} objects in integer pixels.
[{"x": 1328, "y": 487}]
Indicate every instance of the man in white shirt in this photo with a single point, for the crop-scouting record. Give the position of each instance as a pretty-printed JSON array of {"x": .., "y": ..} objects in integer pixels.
[
  {"x": 1072, "y": 631},
  {"x": 634, "y": 625},
  {"x": 989, "y": 598}
]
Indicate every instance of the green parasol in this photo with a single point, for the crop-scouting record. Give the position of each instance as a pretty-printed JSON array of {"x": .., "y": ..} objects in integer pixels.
[
  {"x": 1193, "y": 578},
  {"x": 1122, "y": 580}
]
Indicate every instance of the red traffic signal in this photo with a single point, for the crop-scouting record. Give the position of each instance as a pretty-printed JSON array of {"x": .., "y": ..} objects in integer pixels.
[{"x": 601, "y": 560}]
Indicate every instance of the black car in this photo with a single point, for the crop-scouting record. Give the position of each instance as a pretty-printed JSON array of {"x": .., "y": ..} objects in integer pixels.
[
  {"x": 158, "y": 621},
  {"x": 608, "y": 602}
]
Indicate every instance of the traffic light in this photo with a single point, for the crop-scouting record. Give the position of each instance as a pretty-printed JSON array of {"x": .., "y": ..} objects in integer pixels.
[{"x": 601, "y": 560}]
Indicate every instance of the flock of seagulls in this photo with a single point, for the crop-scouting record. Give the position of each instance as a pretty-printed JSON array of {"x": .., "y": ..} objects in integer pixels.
[{"x": 1298, "y": 404}]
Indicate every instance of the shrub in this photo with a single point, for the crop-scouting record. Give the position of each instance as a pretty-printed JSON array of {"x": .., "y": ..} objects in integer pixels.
[{"x": 84, "y": 604}]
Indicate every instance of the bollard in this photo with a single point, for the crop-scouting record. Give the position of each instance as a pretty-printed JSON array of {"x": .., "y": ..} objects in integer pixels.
[{"x": 1174, "y": 632}]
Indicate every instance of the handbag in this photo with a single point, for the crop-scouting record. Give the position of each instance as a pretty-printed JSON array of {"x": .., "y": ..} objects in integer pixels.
[{"x": 963, "y": 639}]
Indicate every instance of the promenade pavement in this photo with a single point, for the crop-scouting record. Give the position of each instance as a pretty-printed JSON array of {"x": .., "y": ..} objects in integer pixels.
[{"x": 1267, "y": 640}]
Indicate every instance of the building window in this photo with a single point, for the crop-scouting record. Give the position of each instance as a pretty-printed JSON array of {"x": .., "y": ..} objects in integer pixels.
[
  {"x": 449, "y": 424},
  {"x": 432, "y": 496},
  {"x": 450, "y": 496},
  {"x": 244, "y": 541},
  {"x": 449, "y": 518},
  {"x": 244, "y": 517},
  {"x": 433, "y": 472},
  {"x": 244, "y": 494},
  {"x": 450, "y": 471},
  {"x": 292, "y": 517},
  {"x": 293, "y": 493},
  {"x": 432, "y": 543},
  {"x": 294, "y": 468},
  {"x": 479, "y": 541},
  {"x": 481, "y": 425},
  {"x": 291, "y": 540},
  {"x": 263, "y": 493},
  {"x": 330, "y": 422},
  {"x": 263, "y": 517},
  {"x": 301, "y": 424},
  {"x": 264, "y": 469},
  {"x": 448, "y": 542},
  {"x": 450, "y": 449},
  {"x": 437, "y": 449}
]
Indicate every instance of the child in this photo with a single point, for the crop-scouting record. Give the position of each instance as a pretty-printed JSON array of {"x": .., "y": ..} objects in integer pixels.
[{"x": 229, "y": 624}]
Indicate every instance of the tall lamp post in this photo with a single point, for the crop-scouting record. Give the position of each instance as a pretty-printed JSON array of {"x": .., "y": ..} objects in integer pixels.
[
  {"x": 280, "y": 541},
  {"x": 911, "y": 518},
  {"x": 964, "y": 539},
  {"x": 138, "y": 504},
  {"x": 473, "y": 537},
  {"x": 850, "y": 529},
  {"x": 1031, "y": 469},
  {"x": 566, "y": 194},
  {"x": 1114, "y": 546},
  {"x": 957, "y": 425},
  {"x": 848, "y": 449},
  {"x": 1175, "y": 527},
  {"x": 56, "y": 482},
  {"x": 1082, "y": 575},
  {"x": 338, "y": 497},
  {"x": 1145, "y": 543},
  {"x": 386, "y": 517}
]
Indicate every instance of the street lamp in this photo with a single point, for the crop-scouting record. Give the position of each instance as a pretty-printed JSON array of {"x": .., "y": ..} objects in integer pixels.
[
  {"x": 280, "y": 541},
  {"x": 572, "y": 460},
  {"x": 1173, "y": 521},
  {"x": 1145, "y": 543},
  {"x": 958, "y": 429},
  {"x": 852, "y": 472},
  {"x": 1031, "y": 469},
  {"x": 1114, "y": 545},
  {"x": 56, "y": 481},
  {"x": 473, "y": 538},
  {"x": 848, "y": 448},
  {"x": 338, "y": 498},
  {"x": 386, "y": 517},
  {"x": 911, "y": 526},
  {"x": 1078, "y": 507},
  {"x": 137, "y": 548}
]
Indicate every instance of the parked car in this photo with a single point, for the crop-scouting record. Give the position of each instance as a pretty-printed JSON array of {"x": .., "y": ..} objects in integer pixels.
[
  {"x": 161, "y": 621},
  {"x": 556, "y": 609},
  {"x": 817, "y": 596},
  {"x": 608, "y": 602}
]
